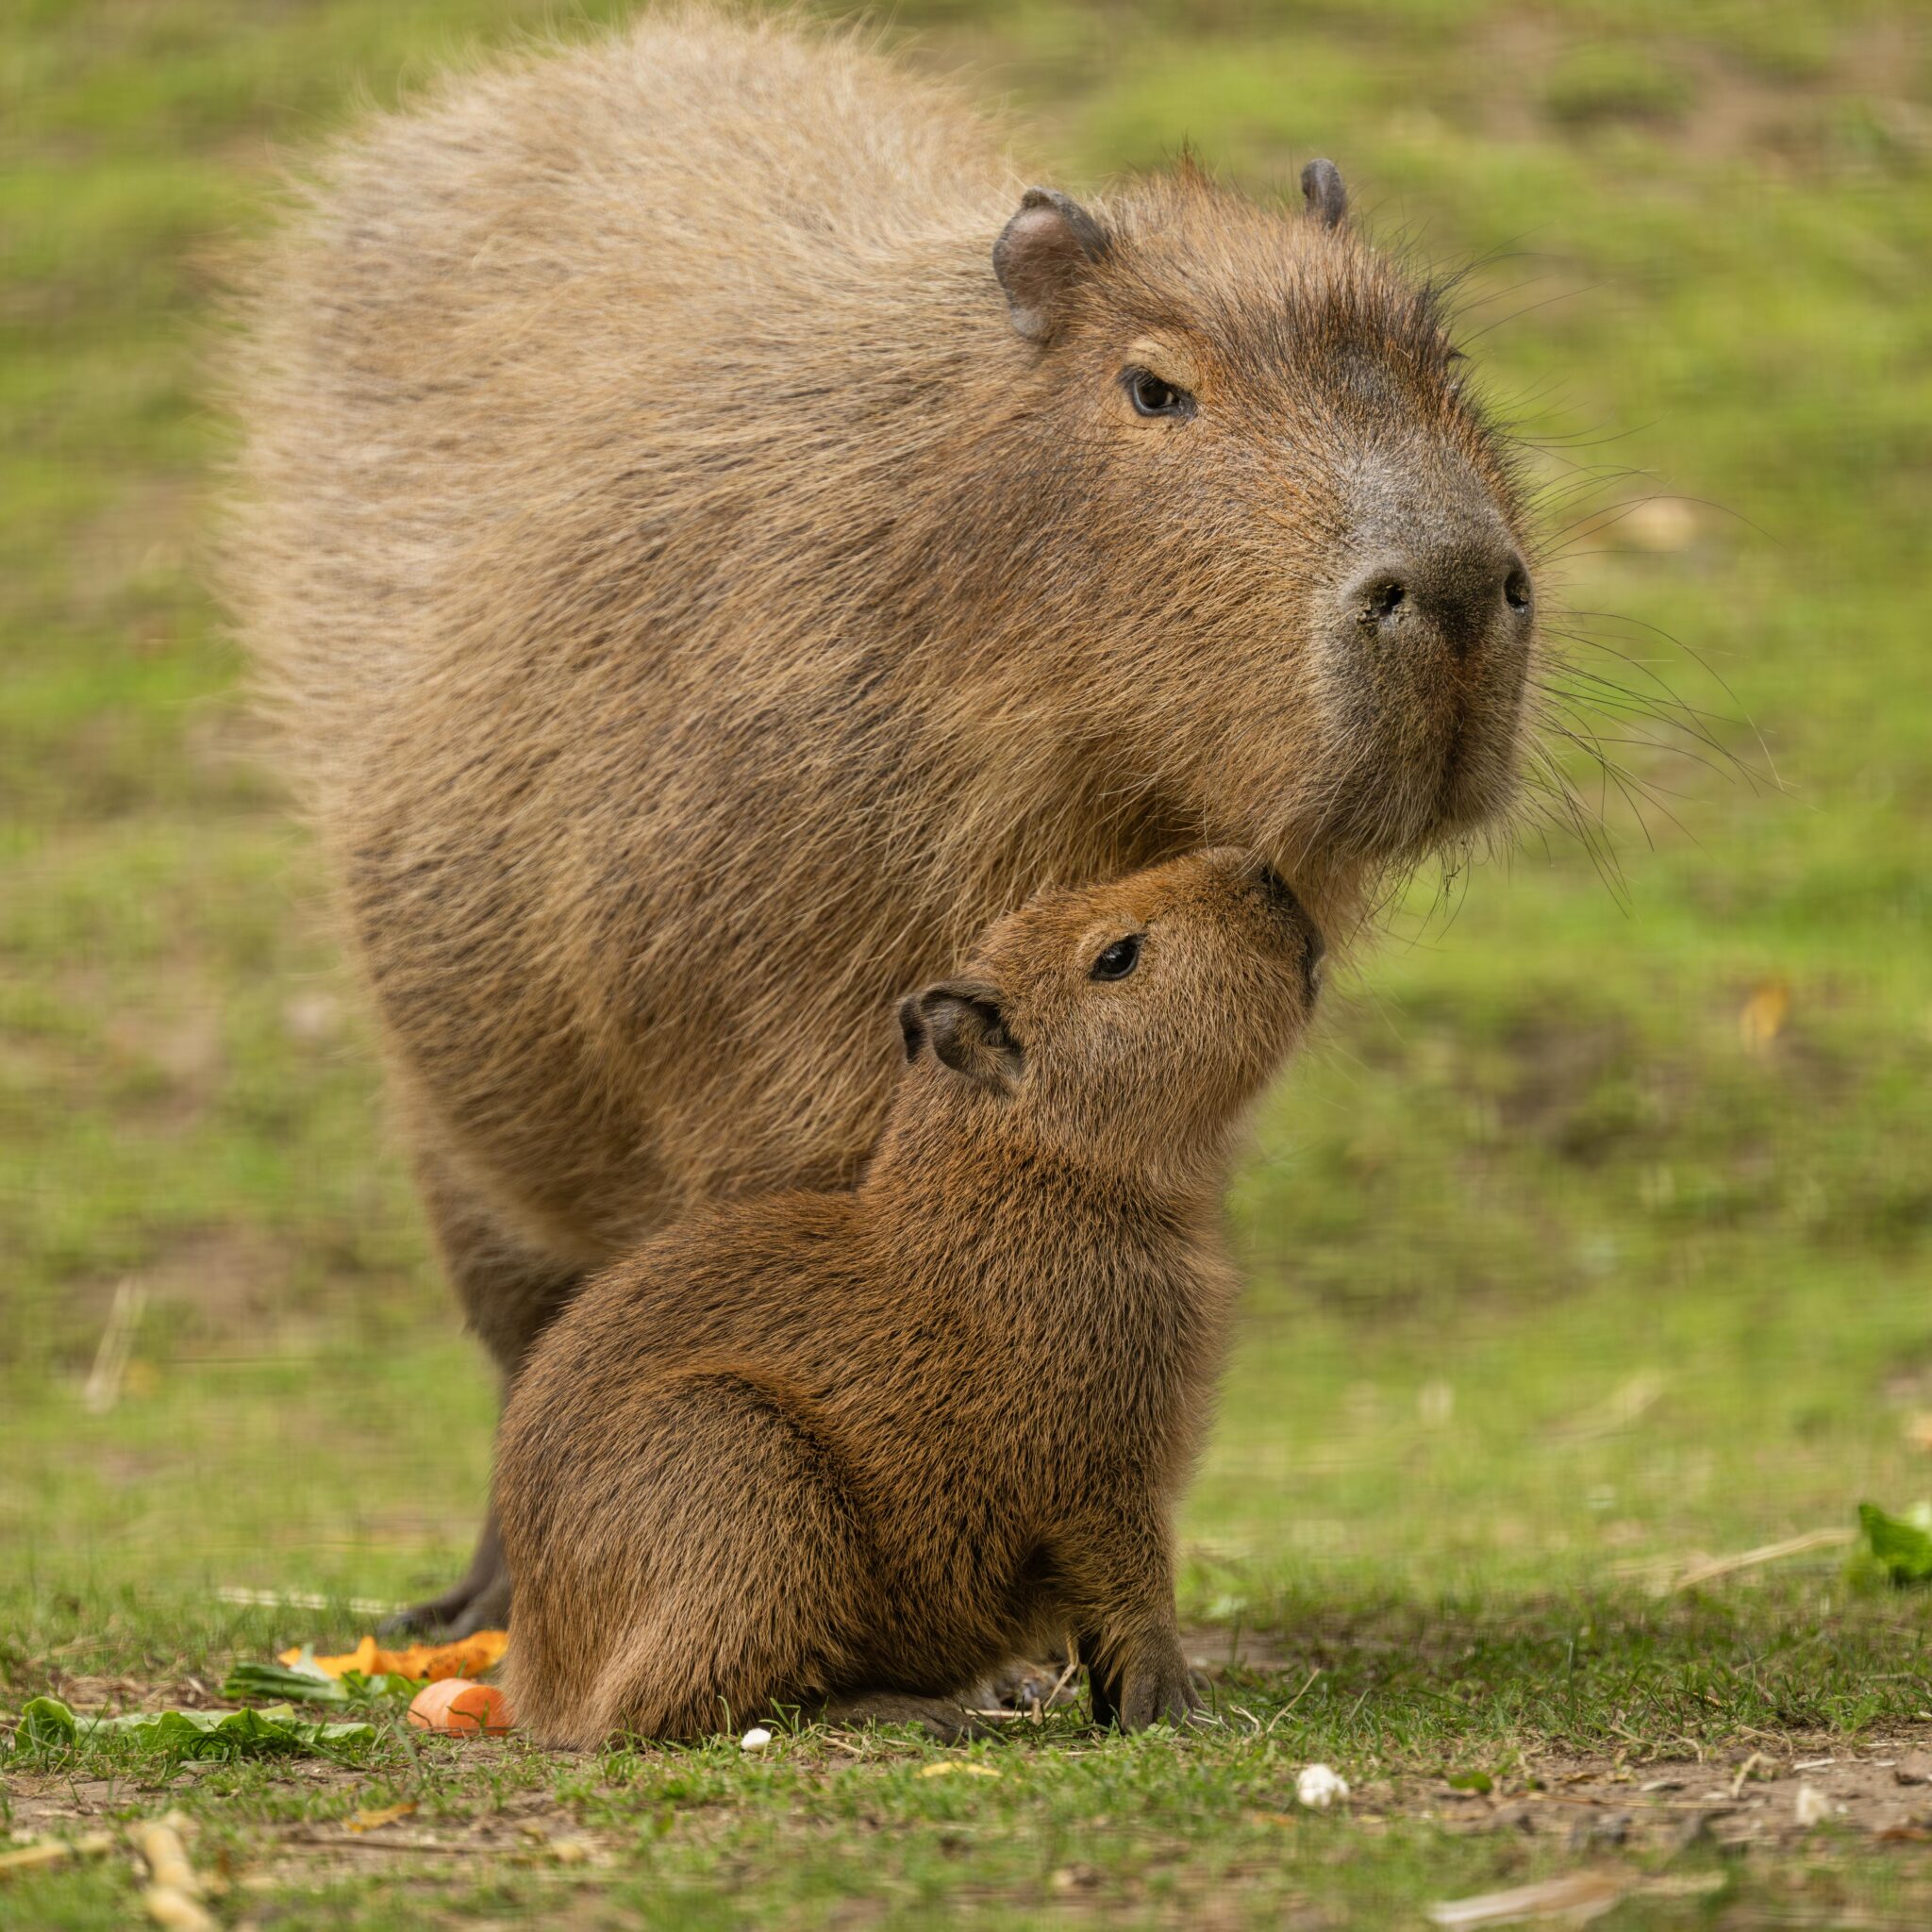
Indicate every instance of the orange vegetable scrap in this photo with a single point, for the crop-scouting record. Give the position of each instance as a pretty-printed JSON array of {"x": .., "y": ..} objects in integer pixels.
[
  {"x": 469, "y": 1709},
  {"x": 471, "y": 1657}
]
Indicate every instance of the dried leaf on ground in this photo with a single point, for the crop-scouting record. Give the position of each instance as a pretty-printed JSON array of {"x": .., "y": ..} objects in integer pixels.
[
  {"x": 174, "y": 1891},
  {"x": 1579, "y": 1894},
  {"x": 374, "y": 1820},
  {"x": 53, "y": 1850},
  {"x": 175, "y": 1910},
  {"x": 1761, "y": 1017},
  {"x": 158, "y": 1841}
]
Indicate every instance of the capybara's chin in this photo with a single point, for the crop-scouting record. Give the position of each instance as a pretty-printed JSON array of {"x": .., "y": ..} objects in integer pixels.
[{"x": 1452, "y": 775}]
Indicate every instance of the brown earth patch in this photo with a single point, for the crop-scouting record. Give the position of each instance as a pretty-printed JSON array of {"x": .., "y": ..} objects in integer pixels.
[
  {"x": 1773, "y": 1789},
  {"x": 1725, "y": 108}
]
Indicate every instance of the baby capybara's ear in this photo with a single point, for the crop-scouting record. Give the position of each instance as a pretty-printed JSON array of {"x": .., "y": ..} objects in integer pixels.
[
  {"x": 967, "y": 1027},
  {"x": 1042, "y": 254}
]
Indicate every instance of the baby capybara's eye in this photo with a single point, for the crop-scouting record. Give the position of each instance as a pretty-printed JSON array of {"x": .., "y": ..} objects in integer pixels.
[
  {"x": 1119, "y": 959},
  {"x": 1151, "y": 396}
]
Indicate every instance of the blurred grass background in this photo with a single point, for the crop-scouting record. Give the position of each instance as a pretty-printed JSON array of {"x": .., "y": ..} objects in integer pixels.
[{"x": 1598, "y": 1231}]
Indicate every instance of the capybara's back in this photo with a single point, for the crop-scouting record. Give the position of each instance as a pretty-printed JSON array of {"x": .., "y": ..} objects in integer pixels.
[{"x": 629, "y": 244}]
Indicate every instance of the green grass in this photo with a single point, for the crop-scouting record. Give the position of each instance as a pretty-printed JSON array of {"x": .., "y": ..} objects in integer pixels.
[{"x": 1559, "y": 1282}]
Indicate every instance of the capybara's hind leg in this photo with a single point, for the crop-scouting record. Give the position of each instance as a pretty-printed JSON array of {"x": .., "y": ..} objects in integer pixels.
[
  {"x": 941, "y": 1718},
  {"x": 478, "y": 1600},
  {"x": 510, "y": 1295},
  {"x": 1103, "y": 1691},
  {"x": 758, "y": 1586}
]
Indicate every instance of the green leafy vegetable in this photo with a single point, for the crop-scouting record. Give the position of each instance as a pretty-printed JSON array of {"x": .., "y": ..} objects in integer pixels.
[
  {"x": 294, "y": 1683},
  {"x": 45, "y": 1722},
  {"x": 1902, "y": 1547},
  {"x": 48, "y": 1724},
  {"x": 280, "y": 1681}
]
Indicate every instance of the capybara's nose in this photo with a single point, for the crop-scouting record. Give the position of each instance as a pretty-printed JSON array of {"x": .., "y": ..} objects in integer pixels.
[
  {"x": 1279, "y": 891},
  {"x": 1458, "y": 597},
  {"x": 1282, "y": 896}
]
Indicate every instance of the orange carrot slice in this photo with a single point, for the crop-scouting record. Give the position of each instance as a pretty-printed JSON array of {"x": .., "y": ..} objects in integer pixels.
[{"x": 471, "y": 1657}]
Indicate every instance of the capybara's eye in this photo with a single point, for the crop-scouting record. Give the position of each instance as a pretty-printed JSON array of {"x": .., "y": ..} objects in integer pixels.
[
  {"x": 1151, "y": 396},
  {"x": 1119, "y": 959},
  {"x": 1516, "y": 591}
]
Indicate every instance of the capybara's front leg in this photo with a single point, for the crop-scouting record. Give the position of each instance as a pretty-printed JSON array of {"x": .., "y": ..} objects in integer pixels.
[
  {"x": 511, "y": 1293},
  {"x": 1154, "y": 1686},
  {"x": 479, "y": 1602},
  {"x": 1119, "y": 1572}
]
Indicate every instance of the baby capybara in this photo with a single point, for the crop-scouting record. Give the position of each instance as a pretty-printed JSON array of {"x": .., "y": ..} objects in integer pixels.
[{"x": 782, "y": 1455}]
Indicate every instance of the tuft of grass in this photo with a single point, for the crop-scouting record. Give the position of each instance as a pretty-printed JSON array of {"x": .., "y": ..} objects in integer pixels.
[{"x": 1595, "y": 83}]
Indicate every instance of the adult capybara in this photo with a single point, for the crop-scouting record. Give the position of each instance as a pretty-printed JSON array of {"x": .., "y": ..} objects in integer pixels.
[
  {"x": 779, "y": 1456},
  {"x": 715, "y": 537}
]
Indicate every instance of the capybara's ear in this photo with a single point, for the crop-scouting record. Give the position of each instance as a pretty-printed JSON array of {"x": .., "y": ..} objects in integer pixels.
[
  {"x": 1040, "y": 256},
  {"x": 911, "y": 1025},
  {"x": 1324, "y": 194},
  {"x": 968, "y": 1030}
]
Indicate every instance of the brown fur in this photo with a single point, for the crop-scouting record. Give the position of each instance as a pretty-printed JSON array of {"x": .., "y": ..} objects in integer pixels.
[
  {"x": 830, "y": 1445},
  {"x": 688, "y": 575}
]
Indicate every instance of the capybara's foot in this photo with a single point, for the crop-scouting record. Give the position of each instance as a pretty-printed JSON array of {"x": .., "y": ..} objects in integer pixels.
[
  {"x": 1019, "y": 1686},
  {"x": 941, "y": 1717},
  {"x": 1159, "y": 1690},
  {"x": 479, "y": 1602}
]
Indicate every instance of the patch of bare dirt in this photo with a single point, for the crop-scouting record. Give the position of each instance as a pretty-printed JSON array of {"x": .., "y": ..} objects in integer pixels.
[
  {"x": 216, "y": 1291},
  {"x": 1725, "y": 108},
  {"x": 1769, "y": 1790}
]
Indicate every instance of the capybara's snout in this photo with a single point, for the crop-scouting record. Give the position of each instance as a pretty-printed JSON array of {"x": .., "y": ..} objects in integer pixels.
[
  {"x": 1285, "y": 903},
  {"x": 1276, "y": 918}
]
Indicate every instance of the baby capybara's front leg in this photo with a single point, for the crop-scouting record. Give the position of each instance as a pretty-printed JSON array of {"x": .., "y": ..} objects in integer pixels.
[{"x": 1119, "y": 1572}]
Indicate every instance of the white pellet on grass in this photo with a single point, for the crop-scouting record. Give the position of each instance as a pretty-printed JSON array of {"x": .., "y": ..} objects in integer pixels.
[
  {"x": 1812, "y": 1807},
  {"x": 754, "y": 1740},
  {"x": 1318, "y": 1787}
]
